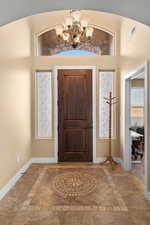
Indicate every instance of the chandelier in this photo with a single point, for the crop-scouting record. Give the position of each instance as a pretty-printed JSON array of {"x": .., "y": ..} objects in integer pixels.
[{"x": 74, "y": 30}]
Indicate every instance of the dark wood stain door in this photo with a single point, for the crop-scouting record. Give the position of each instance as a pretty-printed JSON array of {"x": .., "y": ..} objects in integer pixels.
[{"x": 75, "y": 115}]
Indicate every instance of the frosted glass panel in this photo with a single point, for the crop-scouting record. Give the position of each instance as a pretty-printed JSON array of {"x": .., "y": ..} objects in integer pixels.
[
  {"x": 44, "y": 104},
  {"x": 105, "y": 86}
]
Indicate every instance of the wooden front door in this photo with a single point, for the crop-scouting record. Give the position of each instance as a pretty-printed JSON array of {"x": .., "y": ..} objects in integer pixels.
[{"x": 75, "y": 115}]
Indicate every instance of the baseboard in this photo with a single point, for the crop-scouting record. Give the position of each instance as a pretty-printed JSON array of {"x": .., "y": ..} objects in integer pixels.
[
  {"x": 18, "y": 175},
  {"x": 119, "y": 160},
  {"x": 44, "y": 160},
  {"x": 14, "y": 179},
  {"x": 101, "y": 159}
]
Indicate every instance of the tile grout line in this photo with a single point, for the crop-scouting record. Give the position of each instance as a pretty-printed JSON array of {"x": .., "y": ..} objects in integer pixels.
[
  {"x": 33, "y": 189},
  {"x": 122, "y": 206},
  {"x": 119, "y": 198},
  {"x": 30, "y": 194}
]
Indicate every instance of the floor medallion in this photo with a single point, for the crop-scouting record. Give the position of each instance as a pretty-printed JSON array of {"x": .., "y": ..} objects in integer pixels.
[{"x": 74, "y": 184}]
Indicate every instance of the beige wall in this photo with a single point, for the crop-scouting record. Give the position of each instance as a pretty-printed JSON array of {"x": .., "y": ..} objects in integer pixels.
[
  {"x": 138, "y": 45},
  {"x": 134, "y": 52},
  {"x": 14, "y": 98}
]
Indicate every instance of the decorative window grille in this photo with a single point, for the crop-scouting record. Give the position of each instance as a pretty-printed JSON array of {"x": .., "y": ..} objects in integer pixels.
[
  {"x": 106, "y": 80},
  {"x": 44, "y": 104}
]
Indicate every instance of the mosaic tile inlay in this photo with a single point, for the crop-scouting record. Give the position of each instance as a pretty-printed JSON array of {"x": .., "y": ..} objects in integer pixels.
[{"x": 74, "y": 184}]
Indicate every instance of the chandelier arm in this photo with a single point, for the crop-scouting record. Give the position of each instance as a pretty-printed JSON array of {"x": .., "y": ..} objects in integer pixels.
[{"x": 76, "y": 31}]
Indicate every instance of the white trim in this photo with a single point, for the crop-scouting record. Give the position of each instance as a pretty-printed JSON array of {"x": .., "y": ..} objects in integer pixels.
[
  {"x": 101, "y": 159},
  {"x": 127, "y": 122},
  {"x": 56, "y": 68},
  {"x": 19, "y": 174},
  {"x": 43, "y": 160},
  {"x": 14, "y": 179},
  {"x": 99, "y": 27},
  {"x": 119, "y": 160},
  {"x": 126, "y": 152},
  {"x": 146, "y": 130},
  {"x": 138, "y": 70}
]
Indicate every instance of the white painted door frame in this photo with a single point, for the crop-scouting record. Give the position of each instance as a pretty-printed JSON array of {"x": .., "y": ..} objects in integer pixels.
[
  {"x": 126, "y": 134},
  {"x": 55, "y": 80}
]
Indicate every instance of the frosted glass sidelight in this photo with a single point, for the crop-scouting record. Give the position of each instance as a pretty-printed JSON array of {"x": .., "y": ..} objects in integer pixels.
[
  {"x": 105, "y": 86},
  {"x": 44, "y": 104}
]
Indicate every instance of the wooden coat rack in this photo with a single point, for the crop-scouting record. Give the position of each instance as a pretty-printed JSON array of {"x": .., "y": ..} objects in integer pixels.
[{"x": 110, "y": 101}]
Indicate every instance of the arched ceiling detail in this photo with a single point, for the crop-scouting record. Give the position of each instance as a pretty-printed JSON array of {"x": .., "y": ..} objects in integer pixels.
[{"x": 16, "y": 9}]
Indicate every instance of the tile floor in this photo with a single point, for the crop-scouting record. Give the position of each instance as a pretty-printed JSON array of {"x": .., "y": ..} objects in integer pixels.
[
  {"x": 138, "y": 170},
  {"x": 75, "y": 194}
]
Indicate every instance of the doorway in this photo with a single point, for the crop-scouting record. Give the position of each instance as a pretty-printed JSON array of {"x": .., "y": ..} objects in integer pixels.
[
  {"x": 136, "y": 120},
  {"x": 75, "y": 115},
  {"x": 92, "y": 154},
  {"x": 56, "y": 134}
]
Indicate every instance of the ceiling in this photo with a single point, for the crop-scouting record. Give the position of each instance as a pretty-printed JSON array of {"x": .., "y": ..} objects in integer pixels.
[{"x": 16, "y": 9}]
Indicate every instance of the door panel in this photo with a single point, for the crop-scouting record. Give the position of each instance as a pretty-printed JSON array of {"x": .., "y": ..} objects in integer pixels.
[
  {"x": 74, "y": 140},
  {"x": 75, "y": 115}
]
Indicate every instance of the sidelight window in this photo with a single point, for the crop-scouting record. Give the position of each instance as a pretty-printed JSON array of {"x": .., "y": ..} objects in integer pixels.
[
  {"x": 44, "y": 104},
  {"x": 106, "y": 85}
]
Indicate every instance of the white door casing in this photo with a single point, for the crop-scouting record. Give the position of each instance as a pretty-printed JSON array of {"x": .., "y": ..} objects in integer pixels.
[
  {"x": 126, "y": 132},
  {"x": 56, "y": 68}
]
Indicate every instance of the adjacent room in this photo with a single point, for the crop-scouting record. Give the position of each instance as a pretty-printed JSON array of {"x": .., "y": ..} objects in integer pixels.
[{"x": 137, "y": 125}]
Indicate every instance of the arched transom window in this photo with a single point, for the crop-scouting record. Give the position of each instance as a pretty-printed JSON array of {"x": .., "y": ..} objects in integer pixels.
[{"x": 101, "y": 44}]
